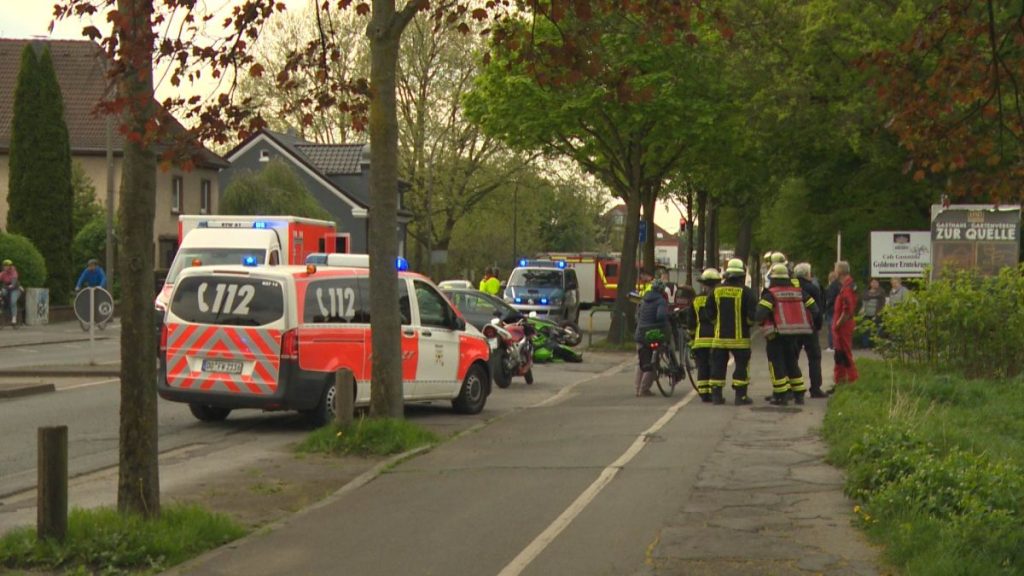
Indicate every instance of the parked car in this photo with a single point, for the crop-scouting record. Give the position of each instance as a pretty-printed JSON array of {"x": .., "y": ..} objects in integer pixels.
[{"x": 549, "y": 288}]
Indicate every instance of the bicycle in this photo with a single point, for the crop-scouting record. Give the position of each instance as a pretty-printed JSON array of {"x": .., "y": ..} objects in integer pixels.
[{"x": 668, "y": 372}]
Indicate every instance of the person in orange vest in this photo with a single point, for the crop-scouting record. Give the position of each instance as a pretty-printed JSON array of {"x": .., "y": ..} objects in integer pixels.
[{"x": 785, "y": 312}]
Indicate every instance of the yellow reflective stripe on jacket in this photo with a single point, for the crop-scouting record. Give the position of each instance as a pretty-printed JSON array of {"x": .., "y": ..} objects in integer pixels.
[{"x": 700, "y": 341}]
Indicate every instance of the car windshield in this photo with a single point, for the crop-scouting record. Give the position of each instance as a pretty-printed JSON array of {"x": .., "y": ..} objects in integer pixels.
[
  {"x": 187, "y": 257},
  {"x": 534, "y": 278}
]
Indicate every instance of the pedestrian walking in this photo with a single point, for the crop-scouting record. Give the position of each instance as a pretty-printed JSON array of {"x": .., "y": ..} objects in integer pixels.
[
  {"x": 10, "y": 289},
  {"x": 785, "y": 313},
  {"x": 811, "y": 343},
  {"x": 843, "y": 324},
  {"x": 651, "y": 314},
  {"x": 702, "y": 331},
  {"x": 871, "y": 308},
  {"x": 731, "y": 307}
]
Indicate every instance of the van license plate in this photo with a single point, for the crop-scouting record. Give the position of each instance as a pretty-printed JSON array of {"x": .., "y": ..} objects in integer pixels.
[{"x": 222, "y": 366}]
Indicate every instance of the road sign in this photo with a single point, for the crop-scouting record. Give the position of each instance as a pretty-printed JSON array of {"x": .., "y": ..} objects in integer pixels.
[
  {"x": 94, "y": 305},
  {"x": 643, "y": 231}
]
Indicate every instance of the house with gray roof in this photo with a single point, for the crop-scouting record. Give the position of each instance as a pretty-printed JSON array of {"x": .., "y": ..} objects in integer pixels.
[
  {"x": 336, "y": 175},
  {"x": 81, "y": 72}
]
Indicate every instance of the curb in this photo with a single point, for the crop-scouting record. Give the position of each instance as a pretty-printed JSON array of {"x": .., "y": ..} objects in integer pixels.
[
  {"x": 71, "y": 372},
  {"x": 49, "y": 342},
  {"x": 26, "y": 390}
]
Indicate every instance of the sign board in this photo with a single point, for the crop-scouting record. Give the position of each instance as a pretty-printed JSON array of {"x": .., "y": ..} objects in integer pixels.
[
  {"x": 643, "y": 231},
  {"x": 900, "y": 254},
  {"x": 102, "y": 304},
  {"x": 979, "y": 237}
]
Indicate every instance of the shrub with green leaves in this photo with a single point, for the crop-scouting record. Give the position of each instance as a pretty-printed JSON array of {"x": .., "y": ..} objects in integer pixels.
[
  {"x": 962, "y": 323},
  {"x": 26, "y": 258}
]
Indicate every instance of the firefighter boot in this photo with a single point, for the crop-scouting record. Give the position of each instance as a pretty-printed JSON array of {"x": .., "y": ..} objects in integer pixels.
[
  {"x": 716, "y": 396},
  {"x": 798, "y": 398},
  {"x": 780, "y": 399},
  {"x": 741, "y": 397}
]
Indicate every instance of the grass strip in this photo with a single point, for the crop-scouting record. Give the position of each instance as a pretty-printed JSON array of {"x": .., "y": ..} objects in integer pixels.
[
  {"x": 367, "y": 437},
  {"x": 103, "y": 541},
  {"x": 935, "y": 464}
]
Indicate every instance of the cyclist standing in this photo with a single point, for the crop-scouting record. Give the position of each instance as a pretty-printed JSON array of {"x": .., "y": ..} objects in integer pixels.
[
  {"x": 11, "y": 289},
  {"x": 651, "y": 314},
  {"x": 92, "y": 277}
]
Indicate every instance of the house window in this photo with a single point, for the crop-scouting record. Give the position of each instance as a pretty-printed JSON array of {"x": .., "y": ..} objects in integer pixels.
[
  {"x": 264, "y": 156},
  {"x": 177, "y": 189},
  {"x": 204, "y": 197}
]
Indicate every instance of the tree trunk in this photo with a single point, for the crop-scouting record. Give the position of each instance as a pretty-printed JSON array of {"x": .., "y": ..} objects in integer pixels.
[
  {"x": 138, "y": 485},
  {"x": 384, "y": 31},
  {"x": 621, "y": 324},
  {"x": 702, "y": 215},
  {"x": 650, "y": 203},
  {"x": 745, "y": 235},
  {"x": 713, "y": 257}
]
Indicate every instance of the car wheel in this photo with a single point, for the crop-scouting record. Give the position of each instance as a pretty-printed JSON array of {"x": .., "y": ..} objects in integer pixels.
[
  {"x": 473, "y": 394},
  {"x": 207, "y": 413},
  {"x": 499, "y": 368},
  {"x": 529, "y": 376}
]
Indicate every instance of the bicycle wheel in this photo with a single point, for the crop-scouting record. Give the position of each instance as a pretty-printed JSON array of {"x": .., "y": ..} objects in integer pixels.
[
  {"x": 689, "y": 366},
  {"x": 664, "y": 368}
]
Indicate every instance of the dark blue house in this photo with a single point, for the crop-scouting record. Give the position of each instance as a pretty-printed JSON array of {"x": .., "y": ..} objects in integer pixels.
[{"x": 337, "y": 175}]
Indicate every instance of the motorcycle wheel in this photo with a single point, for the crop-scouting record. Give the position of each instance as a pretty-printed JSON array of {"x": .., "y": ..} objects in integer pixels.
[
  {"x": 571, "y": 333},
  {"x": 499, "y": 371},
  {"x": 529, "y": 376}
]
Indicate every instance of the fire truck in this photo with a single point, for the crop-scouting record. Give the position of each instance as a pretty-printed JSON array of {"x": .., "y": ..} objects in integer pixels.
[
  {"x": 598, "y": 275},
  {"x": 248, "y": 240}
]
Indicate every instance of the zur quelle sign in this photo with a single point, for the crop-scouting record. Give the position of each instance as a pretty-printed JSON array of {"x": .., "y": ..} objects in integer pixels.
[
  {"x": 979, "y": 237},
  {"x": 900, "y": 254}
]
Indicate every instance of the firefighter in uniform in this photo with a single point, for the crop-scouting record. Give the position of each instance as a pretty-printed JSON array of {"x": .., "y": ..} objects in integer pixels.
[
  {"x": 702, "y": 332},
  {"x": 810, "y": 343},
  {"x": 785, "y": 313},
  {"x": 730, "y": 307}
]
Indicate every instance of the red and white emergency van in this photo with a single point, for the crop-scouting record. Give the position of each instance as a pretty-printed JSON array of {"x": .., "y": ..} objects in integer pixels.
[
  {"x": 272, "y": 338},
  {"x": 271, "y": 240},
  {"x": 597, "y": 274}
]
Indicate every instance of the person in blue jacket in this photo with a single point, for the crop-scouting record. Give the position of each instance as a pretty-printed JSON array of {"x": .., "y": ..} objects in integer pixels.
[{"x": 92, "y": 276}]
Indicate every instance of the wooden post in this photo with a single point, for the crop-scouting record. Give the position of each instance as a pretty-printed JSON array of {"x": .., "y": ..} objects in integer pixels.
[
  {"x": 344, "y": 398},
  {"x": 52, "y": 491}
]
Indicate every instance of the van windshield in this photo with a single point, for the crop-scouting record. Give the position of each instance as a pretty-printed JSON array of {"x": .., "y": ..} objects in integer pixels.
[
  {"x": 228, "y": 301},
  {"x": 210, "y": 257},
  {"x": 534, "y": 278}
]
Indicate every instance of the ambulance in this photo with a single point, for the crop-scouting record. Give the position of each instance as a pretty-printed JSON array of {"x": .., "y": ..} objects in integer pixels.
[
  {"x": 271, "y": 240},
  {"x": 272, "y": 338}
]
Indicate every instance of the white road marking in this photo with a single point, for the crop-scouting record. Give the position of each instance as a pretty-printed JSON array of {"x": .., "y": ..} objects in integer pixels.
[
  {"x": 88, "y": 384},
  {"x": 545, "y": 538}
]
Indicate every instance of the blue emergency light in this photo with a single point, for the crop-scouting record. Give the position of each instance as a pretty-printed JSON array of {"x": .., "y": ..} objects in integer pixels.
[
  {"x": 544, "y": 301},
  {"x": 524, "y": 262},
  {"x": 249, "y": 261},
  {"x": 401, "y": 264},
  {"x": 561, "y": 264},
  {"x": 259, "y": 225},
  {"x": 519, "y": 300}
]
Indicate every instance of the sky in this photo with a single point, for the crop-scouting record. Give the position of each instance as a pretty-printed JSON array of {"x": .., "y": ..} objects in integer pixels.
[{"x": 31, "y": 18}]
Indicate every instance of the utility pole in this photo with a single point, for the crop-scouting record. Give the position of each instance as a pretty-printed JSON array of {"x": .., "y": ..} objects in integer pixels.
[{"x": 110, "y": 202}]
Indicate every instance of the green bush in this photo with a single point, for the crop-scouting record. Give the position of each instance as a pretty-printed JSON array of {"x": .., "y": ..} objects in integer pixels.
[
  {"x": 27, "y": 259},
  {"x": 936, "y": 465},
  {"x": 104, "y": 541},
  {"x": 961, "y": 323}
]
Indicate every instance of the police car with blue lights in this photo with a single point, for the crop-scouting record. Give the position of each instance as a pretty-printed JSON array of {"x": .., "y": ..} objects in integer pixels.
[{"x": 548, "y": 287}]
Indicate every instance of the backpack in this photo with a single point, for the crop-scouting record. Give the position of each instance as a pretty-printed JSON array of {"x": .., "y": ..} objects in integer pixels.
[{"x": 789, "y": 314}]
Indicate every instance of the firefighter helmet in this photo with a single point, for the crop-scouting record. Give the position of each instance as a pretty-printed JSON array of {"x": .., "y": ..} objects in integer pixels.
[
  {"x": 735, "y": 268},
  {"x": 778, "y": 271},
  {"x": 710, "y": 275},
  {"x": 778, "y": 258}
]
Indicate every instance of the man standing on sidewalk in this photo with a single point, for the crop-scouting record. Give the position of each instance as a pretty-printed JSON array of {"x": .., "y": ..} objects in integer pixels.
[
  {"x": 843, "y": 324},
  {"x": 810, "y": 343},
  {"x": 731, "y": 308},
  {"x": 702, "y": 332},
  {"x": 785, "y": 313}
]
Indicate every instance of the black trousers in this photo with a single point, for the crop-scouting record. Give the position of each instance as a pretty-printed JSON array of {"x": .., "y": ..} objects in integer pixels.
[
  {"x": 720, "y": 364},
  {"x": 702, "y": 356},
  {"x": 812, "y": 346},
  {"x": 783, "y": 366}
]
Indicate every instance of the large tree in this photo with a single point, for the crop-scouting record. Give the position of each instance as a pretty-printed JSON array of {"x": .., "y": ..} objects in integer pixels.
[
  {"x": 40, "y": 195},
  {"x": 599, "y": 86},
  {"x": 274, "y": 189}
]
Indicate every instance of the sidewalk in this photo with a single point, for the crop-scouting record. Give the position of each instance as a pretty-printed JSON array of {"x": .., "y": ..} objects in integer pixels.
[
  {"x": 17, "y": 382},
  {"x": 54, "y": 333}
]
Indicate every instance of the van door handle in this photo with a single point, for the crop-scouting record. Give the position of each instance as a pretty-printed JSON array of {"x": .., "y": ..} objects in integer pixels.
[
  {"x": 426, "y": 333},
  {"x": 408, "y": 332}
]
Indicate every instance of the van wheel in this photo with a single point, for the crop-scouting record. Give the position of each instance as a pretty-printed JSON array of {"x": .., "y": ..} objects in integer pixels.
[
  {"x": 472, "y": 396},
  {"x": 207, "y": 413},
  {"x": 323, "y": 414}
]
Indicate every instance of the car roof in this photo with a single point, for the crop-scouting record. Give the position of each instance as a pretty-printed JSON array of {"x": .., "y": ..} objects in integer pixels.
[{"x": 300, "y": 273}]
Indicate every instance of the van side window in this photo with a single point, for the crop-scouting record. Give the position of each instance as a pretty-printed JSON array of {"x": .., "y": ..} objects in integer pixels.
[
  {"x": 404, "y": 308},
  {"x": 337, "y": 300},
  {"x": 434, "y": 309}
]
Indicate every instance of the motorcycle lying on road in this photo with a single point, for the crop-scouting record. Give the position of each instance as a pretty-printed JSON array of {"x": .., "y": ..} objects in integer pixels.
[
  {"x": 555, "y": 340},
  {"x": 511, "y": 341}
]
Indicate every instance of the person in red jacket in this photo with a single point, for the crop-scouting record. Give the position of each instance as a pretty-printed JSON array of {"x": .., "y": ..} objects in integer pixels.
[{"x": 843, "y": 324}]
